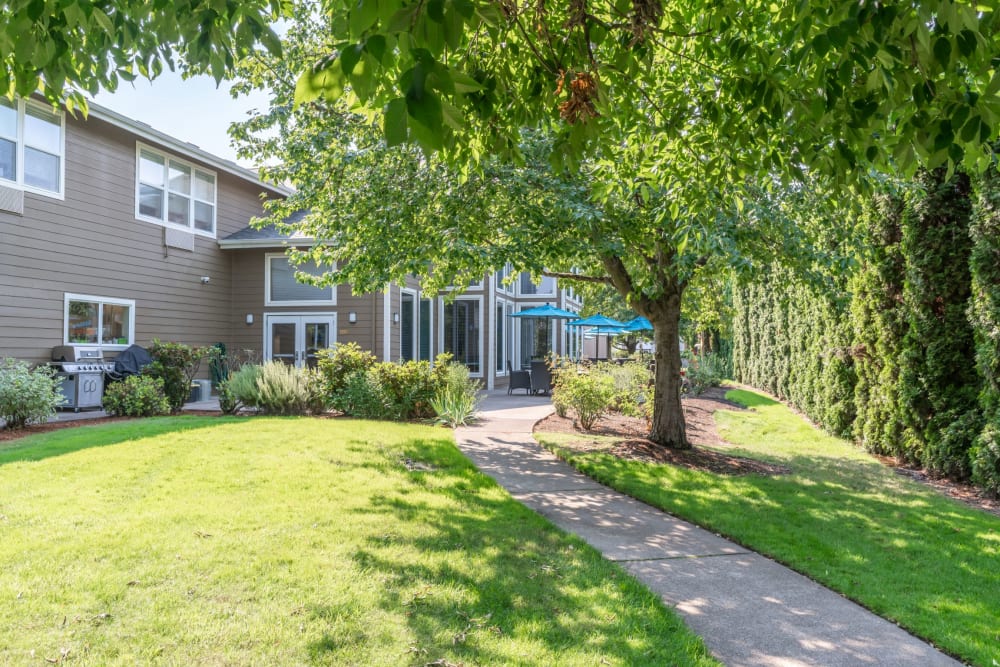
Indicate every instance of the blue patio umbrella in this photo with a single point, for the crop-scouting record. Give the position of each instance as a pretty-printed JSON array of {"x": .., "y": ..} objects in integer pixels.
[
  {"x": 547, "y": 312},
  {"x": 600, "y": 324},
  {"x": 597, "y": 320},
  {"x": 639, "y": 323}
]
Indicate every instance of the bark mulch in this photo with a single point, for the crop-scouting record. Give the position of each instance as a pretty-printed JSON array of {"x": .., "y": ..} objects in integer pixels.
[{"x": 701, "y": 431}]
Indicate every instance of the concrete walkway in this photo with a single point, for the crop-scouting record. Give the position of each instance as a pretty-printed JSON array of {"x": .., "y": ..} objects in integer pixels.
[{"x": 749, "y": 609}]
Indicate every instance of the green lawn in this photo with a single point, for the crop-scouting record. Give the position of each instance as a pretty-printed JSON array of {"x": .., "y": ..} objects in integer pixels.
[
  {"x": 911, "y": 555},
  {"x": 222, "y": 541}
]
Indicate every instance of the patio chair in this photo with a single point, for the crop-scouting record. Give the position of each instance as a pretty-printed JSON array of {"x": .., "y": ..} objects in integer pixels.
[
  {"x": 541, "y": 378},
  {"x": 518, "y": 380}
]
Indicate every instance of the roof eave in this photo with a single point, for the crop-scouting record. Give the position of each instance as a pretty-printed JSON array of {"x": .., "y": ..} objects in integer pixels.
[{"x": 240, "y": 244}]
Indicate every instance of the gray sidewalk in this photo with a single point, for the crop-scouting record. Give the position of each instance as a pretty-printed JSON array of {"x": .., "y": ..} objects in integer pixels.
[{"x": 749, "y": 609}]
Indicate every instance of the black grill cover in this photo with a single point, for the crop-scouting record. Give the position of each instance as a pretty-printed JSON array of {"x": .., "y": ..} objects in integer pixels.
[{"x": 132, "y": 361}]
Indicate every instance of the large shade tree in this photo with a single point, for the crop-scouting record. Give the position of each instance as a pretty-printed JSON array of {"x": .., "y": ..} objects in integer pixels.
[
  {"x": 671, "y": 109},
  {"x": 384, "y": 211}
]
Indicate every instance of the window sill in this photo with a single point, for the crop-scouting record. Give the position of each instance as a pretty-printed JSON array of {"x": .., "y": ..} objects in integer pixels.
[
  {"x": 180, "y": 228},
  {"x": 61, "y": 196}
]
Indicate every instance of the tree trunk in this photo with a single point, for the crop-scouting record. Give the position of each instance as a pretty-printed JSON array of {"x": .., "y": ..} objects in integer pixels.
[{"x": 668, "y": 427}]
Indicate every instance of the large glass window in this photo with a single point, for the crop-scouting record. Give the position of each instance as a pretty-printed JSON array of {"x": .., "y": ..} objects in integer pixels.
[
  {"x": 407, "y": 326},
  {"x": 425, "y": 330},
  {"x": 501, "y": 276},
  {"x": 535, "y": 339},
  {"x": 461, "y": 332},
  {"x": 284, "y": 290},
  {"x": 99, "y": 321},
  {"x": 500, "y": 324},
  {"x": 169, "y": 190},
  {"x": 546, "y": 286},
  {"x": 31, "y": 145}
]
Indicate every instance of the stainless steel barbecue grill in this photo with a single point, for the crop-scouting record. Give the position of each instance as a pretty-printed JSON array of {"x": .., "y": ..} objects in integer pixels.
[{"x": 81, "y": 370}]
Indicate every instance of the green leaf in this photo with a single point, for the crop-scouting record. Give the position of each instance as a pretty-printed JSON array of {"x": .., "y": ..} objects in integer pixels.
[
  {"x": 363, "y": 16},
  {"x": 350, "y": 56},
  {"x": 394, "y": 122},
  {"x": 464, "y": 83},
  {"x": 942, "y": 51}
]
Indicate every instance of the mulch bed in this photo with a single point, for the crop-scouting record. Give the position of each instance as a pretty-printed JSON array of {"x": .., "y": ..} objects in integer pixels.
[{"x": 700, "y": 428}]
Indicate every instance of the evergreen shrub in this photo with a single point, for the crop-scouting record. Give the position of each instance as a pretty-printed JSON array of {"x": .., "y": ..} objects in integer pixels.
[
  {"x": 27, "y": 395},
  {"x": 175, "y": 364},
  {"x": 136, "y": 396}
]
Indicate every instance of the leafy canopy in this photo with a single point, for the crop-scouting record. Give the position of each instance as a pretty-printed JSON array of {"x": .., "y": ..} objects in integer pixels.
[
  {"x": 68, "y": 47},
  {"x": 833, "y": 86}
]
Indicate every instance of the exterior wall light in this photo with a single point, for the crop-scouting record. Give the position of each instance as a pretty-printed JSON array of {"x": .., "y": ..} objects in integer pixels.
[{"x": 352, "y": 317}]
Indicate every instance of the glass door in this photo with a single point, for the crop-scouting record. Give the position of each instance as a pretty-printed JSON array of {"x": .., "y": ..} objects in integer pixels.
[{"x": 295, "y": 339}]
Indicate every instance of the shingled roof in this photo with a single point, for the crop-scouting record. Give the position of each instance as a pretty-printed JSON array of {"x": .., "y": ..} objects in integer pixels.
[{"x": 267, "y": 237}]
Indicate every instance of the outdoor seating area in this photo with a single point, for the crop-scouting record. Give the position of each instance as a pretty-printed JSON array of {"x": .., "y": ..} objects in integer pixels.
[{"x": 537, "y": 379}]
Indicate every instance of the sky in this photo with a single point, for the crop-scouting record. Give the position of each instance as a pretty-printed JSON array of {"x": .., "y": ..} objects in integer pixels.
[{"x": 192, "y": 110}]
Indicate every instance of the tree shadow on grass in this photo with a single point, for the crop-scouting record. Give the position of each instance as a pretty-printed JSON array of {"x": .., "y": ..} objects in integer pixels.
[
  {"x": 68, "y": 440},
  {"x": 479, "y": 578},
  {"x": 903, "y": 551}
]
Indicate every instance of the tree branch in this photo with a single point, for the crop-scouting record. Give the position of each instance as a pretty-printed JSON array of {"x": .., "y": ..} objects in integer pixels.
[{"x": 604, "y": 280}]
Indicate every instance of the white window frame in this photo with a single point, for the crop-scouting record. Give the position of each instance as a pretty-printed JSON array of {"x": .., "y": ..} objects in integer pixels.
[
  {"x": 164, "y": 221},
  {"x": 20, "y": 108},
  {"x": 498, "y": 277},
  {"x": 267, "y": 287},
  {"x": 416, "y": 322},
  {"x": 504, "y": 325},
  {"x": 482, "y": 360},
  {"x": 421, "y": 297},
  {"x": 100, "y": 301},
  {"x": 536, "y": 295}
]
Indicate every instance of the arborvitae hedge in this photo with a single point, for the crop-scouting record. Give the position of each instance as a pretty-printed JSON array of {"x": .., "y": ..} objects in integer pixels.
[
  {"x": 879, "y": 322},
  {"x": 790, "y": 341},
  {"x": 909, "y": 363},
  {"x": 984, "y": 314},
  {"x": 938, "y": 384}
]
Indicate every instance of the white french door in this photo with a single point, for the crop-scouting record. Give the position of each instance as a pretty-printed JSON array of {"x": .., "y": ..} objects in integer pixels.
[{"x": 295, "y": 339}]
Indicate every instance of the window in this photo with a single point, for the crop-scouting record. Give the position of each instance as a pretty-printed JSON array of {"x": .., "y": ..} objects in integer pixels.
[
  {"x": 502, "y": 329},
  {"x": 461, "y": 332},
  {"x": 425, "y": 330},
  {"x": 501, "y": 275},
  {"x": 172, "y": 191},
  {"x": 101, "y": 321},
  {"x": 32, "y": 141},
  {"x": 284, "y": 290},
  {"x": 407, "y": 326},
  {"x": 547, "y": 285}
]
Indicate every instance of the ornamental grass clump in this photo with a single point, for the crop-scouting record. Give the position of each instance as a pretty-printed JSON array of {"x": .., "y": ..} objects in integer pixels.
[
  {"x": 27, "y": 395},
  {"x": 457, "y": 397}
]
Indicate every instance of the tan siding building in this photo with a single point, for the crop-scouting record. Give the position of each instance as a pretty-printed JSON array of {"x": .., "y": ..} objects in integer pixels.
[{"x": 119, "y": 234}]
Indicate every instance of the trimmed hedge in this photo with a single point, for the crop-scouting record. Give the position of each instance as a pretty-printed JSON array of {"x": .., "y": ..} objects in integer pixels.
[
  {"x": 907, "y": 359},
  {"x": 984, "y": 313}
]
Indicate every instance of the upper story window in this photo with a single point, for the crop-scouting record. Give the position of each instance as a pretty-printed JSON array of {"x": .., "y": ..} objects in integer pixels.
[
  {"x": 546, "y": 287},
  {"x": 284, "y": 290},
  {"x": 96, "y": 320},
  {"x": 501, "y": 276},
  {"x": 174, "y": 192},
  {"x": 32, "y": 145}
]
